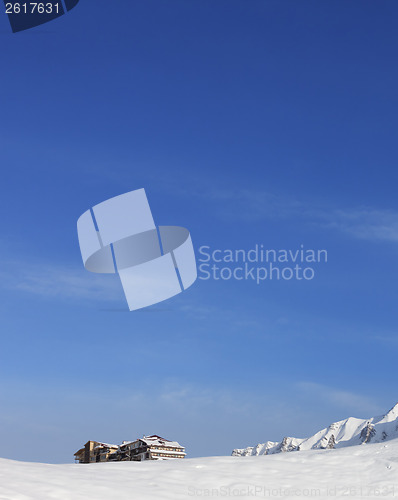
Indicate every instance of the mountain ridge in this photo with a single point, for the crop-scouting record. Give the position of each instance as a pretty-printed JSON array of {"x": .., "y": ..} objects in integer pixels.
[{"x": 351, "y": 431}]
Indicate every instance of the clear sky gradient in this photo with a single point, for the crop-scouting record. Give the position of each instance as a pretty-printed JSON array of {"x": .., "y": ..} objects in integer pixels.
[{"x": 248, "y": 122}]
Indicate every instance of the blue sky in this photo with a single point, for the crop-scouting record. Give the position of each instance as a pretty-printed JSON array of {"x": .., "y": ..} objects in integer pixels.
[{"x": 261, "y": 122}]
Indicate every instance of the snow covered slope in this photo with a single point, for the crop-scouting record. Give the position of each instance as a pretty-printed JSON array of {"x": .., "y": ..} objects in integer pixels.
[
  {"x": 348, "y": 432},
  {"x": 355, "y": 472}
]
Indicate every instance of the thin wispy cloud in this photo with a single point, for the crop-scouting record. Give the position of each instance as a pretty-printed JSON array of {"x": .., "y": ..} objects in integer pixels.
[
  {"x": 365, "y": 223},
  {"x": 251, "y": 204},
  {"x": 389, "y": 340},
  {"x": 341, "y": 398},
  {"x": 362, "y": 222},
  {"x": 359, "y": 222},
  {"x": 57, "y": 281}
]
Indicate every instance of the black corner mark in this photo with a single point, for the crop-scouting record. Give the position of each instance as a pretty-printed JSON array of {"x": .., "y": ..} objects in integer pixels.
[
  {"x": 27, "y": 14},
  {"x": 69, "y": 4}
]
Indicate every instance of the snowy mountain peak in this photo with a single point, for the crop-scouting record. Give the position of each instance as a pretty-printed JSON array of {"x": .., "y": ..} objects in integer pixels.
[
  {"x": 349, "y": 432},
  {"x": 391, "y": 415}
]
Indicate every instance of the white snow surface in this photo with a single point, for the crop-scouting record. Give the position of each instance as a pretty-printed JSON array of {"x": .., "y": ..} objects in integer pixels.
[
  {"x": 369, "y": 471},
  {"x": 349, "y": 432}
]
